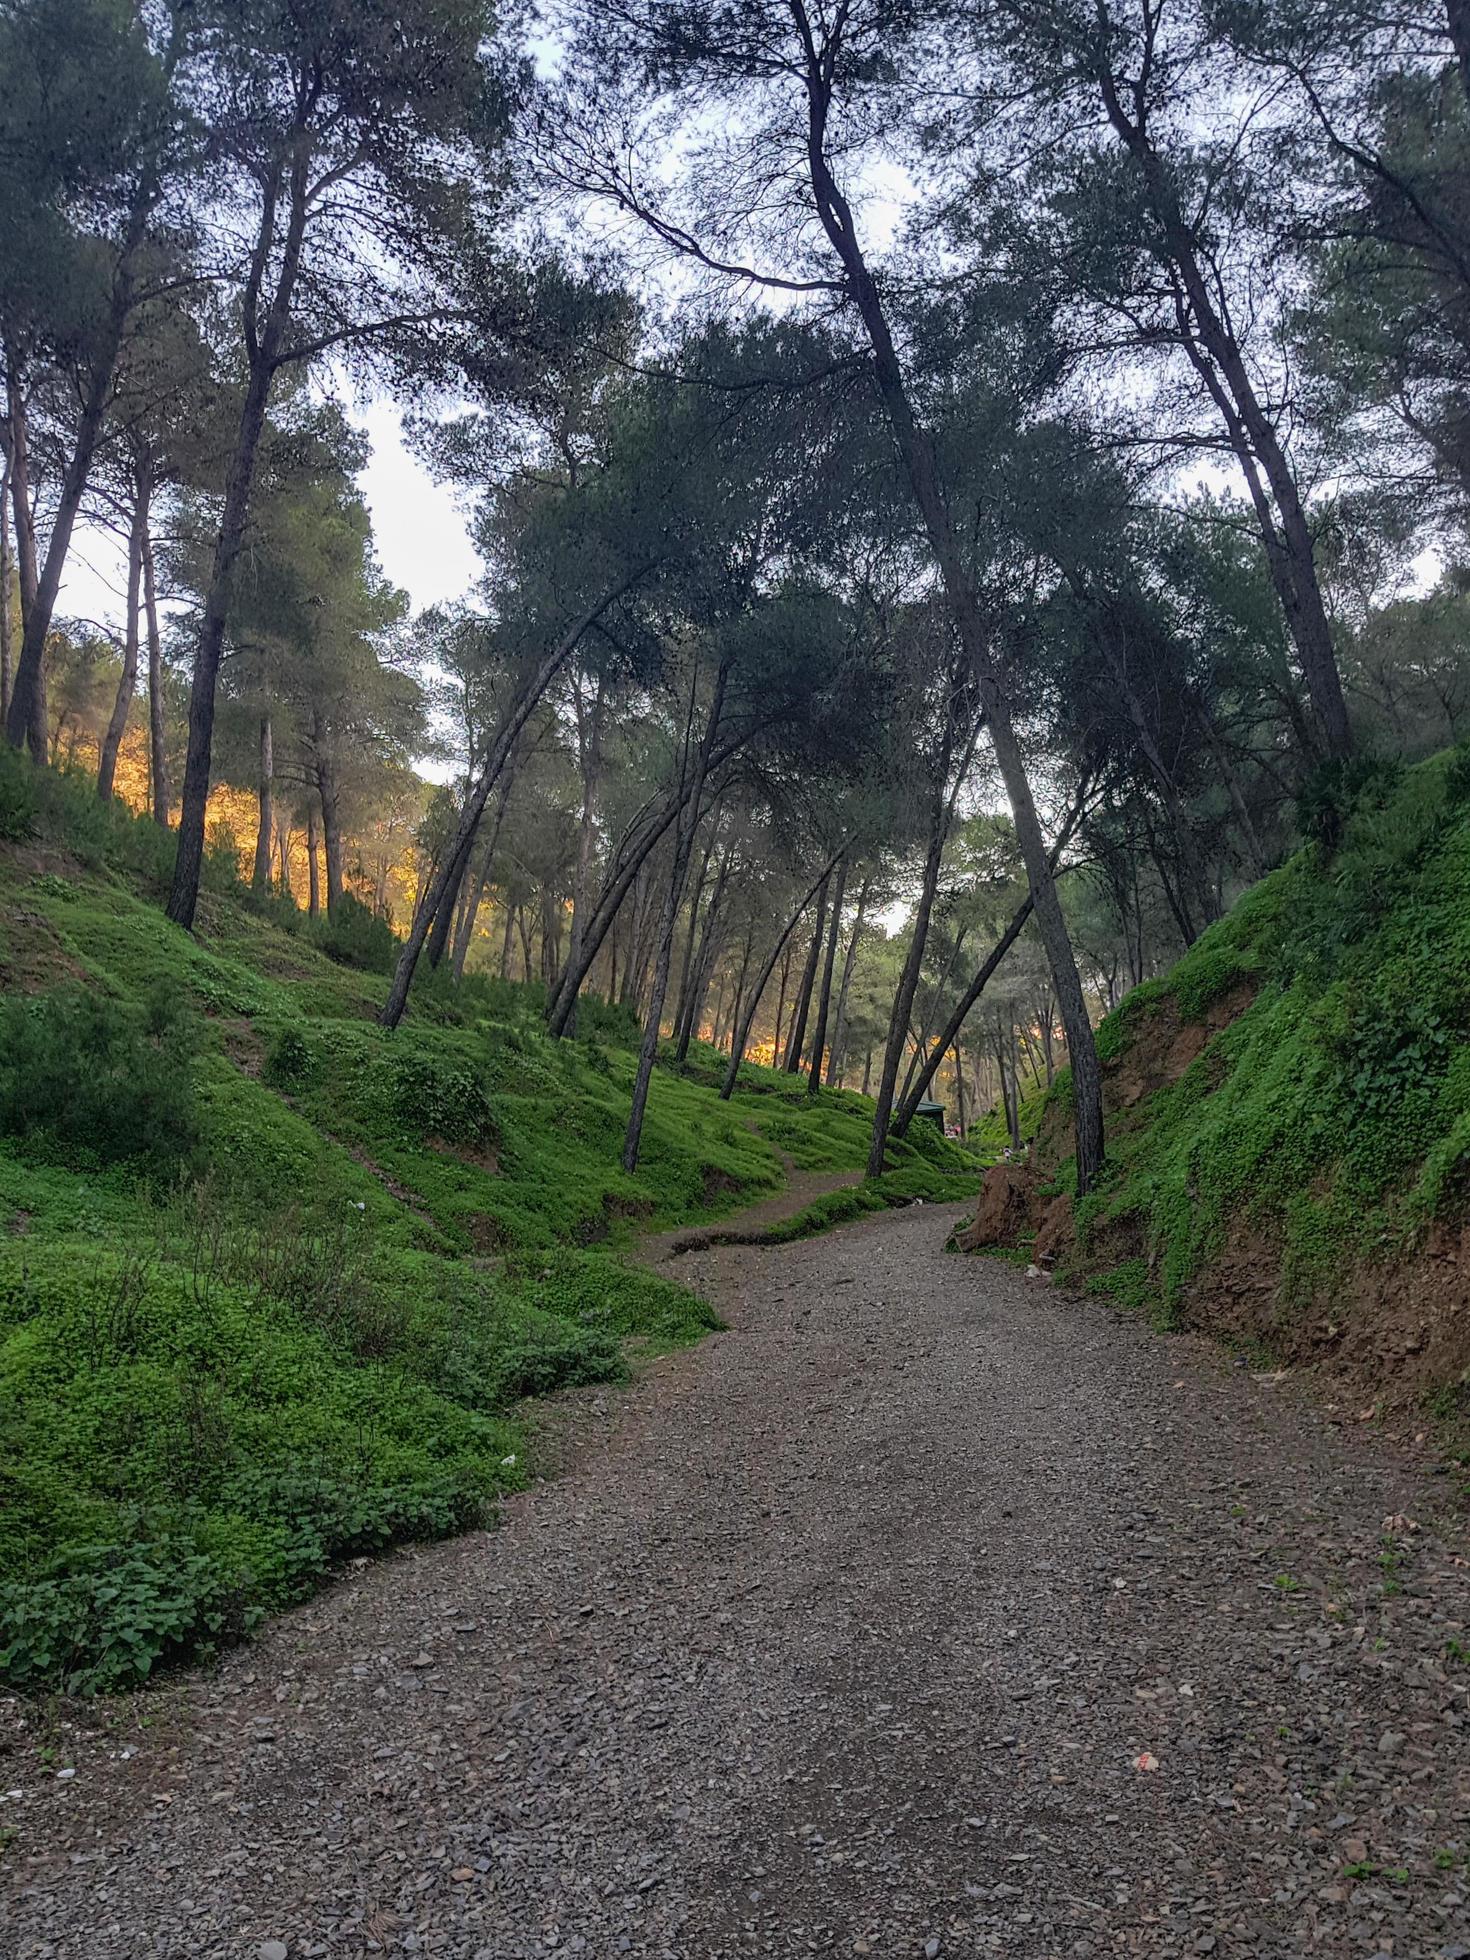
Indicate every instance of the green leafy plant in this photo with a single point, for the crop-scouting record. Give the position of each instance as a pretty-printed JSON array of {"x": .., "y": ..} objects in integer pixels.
[{"x": 88, "y": 1081}]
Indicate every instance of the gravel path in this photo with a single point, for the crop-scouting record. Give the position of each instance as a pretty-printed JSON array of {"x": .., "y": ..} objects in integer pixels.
[{"x": 844, "y": 1633}]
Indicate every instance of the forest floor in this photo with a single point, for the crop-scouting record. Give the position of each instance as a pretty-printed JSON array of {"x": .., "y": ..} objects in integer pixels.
[{"x": 922, "y": 1612}]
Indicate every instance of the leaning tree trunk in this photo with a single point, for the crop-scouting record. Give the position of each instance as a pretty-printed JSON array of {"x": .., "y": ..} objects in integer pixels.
[
  {"x": 128, "y": 679},
  {"x": 679, "y": 871},
  {"x": 1211, "y": 344},
  {"x": 633, "y": 854},
  {"x": 691, "y": 939},
  {"x": 849, "y": 961},
  {"x": 551, "y": 664},
  {"x": 903, "y": 1001},
  {"x": 487, "y": 861},
  {"x": 261, "y": 876},
  {"x": 824, "y": 999},
  {"x": 589, "y": 755},
  {"x": 697, "y": 985},
  {"x": 982, "y": 979},
  {"x": 741, "y": 1039},
  {"x": 917, "y": 453},
  {"x": 796, "y": 1040}
]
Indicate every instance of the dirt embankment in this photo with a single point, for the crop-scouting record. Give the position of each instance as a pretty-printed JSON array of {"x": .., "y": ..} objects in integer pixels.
[{"x": 1393, "y": 1334}]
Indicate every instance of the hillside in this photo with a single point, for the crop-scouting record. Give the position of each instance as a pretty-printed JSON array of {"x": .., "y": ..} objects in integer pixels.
[
  {"x": 272, "y": 1281},
  {"x": 1289, "y": 1111}
]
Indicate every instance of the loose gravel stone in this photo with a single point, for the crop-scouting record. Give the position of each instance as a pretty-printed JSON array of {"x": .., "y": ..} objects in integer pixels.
[{"x": 892, "y": 1586}]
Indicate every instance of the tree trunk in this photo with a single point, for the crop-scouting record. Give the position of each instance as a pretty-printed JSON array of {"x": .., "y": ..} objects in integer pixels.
[
  {"x": 867, "y": 1072},
  {"x": 128, "y": 679},
  {"x": 467, "y": 926},
  {"x": 25, "y": 719},
  {"x": 742, "y": 1034},
  {"x": 780, "y": 1008},
  {"x": 500, "y": 751},
  {"x": 917, "y": 453},
  {"x": 698, "y": 770},
  {"x": 264, "y": 355},
  {"x": 1210, "y": 342},
  {"x": 442, "y": 928},
  {"x": 331, "y": 835},
  {"x": 824, "y": 999},
  {"x": 589, "y": 756},
  {"x": 988, "y": 968},
  {"x": 839, "y": 1032},
  {"x": 313, "y": 878},
  {"x": 5, "y": 654},
  {"x": 796, "y": 1040},
  {"x": 157, "y": 738},
  {"x": 508, "y": 941},
  {"x": 261, "y": 876},
  {"x": 903, "y": 1000},
  {"x": 959, "y": 1089},
  {"x": 1457, "y": 13},
  {"x": 739, "y": 999},
  {"x": 626, "y": 872},
  {"x": 691, "y": 938},
  {"x": 699, "y": 978}
]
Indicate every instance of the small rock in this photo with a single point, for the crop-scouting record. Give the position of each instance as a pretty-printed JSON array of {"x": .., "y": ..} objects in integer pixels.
[
  {"x": 273, "y": 1950},
  {"x": 931, "y": 1948}
]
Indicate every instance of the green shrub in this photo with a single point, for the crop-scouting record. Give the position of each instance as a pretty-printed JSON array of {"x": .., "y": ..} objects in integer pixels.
[
  {"x": 1339, "y": 786},
  {"x": 355, "y": 935},
  {"x": 20, "y": 806},
  {"x": 105, "y": 1616},
  {"x": 87, "y": 1081},
  {"x": 288, "y": 1058}
]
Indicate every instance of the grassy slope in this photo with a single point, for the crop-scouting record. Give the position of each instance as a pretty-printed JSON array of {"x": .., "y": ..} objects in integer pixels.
[
  {"x": 1327, "y": 1125},
  {"x": 311, "y": 1343}
]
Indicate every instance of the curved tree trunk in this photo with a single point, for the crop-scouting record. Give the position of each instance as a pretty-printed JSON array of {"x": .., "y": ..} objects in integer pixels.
[
  {"x": 796, "y": 1040},
  {"x": 697, "y": 985},
  {"x": 551, "y": 664},
  {"x": 742, "y": 1033},
  {"x": 917, "y": 453},
  {"x": 698, "y": 772},
  {"x": 903, "y": 1000}
]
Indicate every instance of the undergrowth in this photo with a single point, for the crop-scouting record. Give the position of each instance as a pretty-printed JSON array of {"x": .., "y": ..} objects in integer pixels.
[
  {"x": 1332, "y": 1114},
  {"x": 273, "y": 1281}
]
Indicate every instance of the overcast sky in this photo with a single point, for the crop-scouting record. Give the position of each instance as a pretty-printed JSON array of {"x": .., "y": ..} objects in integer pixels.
[{"x": 419, "y": 531}]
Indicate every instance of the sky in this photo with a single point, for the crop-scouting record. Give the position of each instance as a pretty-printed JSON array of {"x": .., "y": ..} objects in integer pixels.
[{"x": 422, "y": 539}]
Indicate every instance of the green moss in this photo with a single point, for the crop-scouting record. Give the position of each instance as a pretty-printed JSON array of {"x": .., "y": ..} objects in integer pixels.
[
  {"x": 313, "y": 1342},
  {"x": 1334, "y": 1112}
]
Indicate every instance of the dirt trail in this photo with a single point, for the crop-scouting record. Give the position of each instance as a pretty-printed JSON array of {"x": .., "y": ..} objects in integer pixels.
[
  {"x": 845, "y": 1636},
  {"x": 746, "y": 1226}
]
